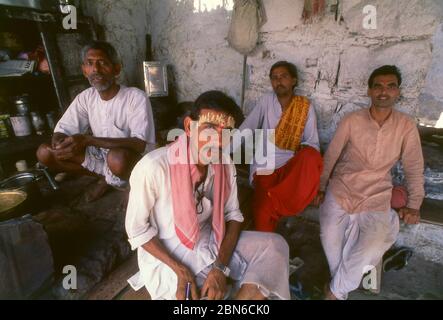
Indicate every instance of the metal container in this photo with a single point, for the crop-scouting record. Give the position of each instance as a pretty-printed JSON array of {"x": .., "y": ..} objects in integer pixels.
[
  {"x": 22, "y": 125},
  {"x": 22, "y": 104},
  {"x": 38, "y": 123},
  {"x": 51, "y": 120},
  {"x": 19, "y": 181}
]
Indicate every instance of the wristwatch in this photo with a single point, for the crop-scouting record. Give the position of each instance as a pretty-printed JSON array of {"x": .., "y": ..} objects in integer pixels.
[{"x": 220, "y": 266}]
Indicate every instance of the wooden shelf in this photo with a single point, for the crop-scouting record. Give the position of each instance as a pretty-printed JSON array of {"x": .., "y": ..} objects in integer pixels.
[
  {"x": 19, "y": 145},
  {"x": 28, "y": 77}
]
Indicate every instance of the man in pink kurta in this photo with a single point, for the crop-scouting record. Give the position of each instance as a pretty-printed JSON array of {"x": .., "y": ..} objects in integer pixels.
[{"x": 356, "y": 219}]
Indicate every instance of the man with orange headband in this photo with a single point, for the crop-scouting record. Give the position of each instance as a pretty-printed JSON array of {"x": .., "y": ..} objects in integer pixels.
[{"x": 183, "y": 217}]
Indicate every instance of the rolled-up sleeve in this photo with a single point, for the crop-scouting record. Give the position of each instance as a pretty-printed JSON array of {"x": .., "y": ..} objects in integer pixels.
[
  {"x": 232, "y": 207},
  {"x": 142, "y": 198}
]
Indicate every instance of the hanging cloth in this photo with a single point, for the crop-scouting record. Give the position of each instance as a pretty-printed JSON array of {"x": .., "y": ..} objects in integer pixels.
[{"x": 247, "y": 18}]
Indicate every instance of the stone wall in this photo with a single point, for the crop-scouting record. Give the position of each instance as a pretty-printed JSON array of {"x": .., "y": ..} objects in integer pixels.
[
  {"x": 125, "y": 23},
  {"x": 193, "y": 42},
  {"x": 334, "y": 54}
]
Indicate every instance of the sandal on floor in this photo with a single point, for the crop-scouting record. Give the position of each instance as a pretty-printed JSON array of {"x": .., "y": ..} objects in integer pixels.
[{"x": 396, "y": 258}]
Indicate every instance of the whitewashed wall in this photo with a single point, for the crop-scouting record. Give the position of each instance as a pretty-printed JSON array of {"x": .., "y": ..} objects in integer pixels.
[
  {"x": 335, "y": 54},
  {"x": 126, "y": 23},
  {"x": 194, "y": 44},
  {"x": 335, "y": 57}
]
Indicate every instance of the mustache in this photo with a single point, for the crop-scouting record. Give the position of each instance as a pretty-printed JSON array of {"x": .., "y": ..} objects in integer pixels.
[
  {"x": 94, "y": 76},
  {"x": 387, "y": 97}
]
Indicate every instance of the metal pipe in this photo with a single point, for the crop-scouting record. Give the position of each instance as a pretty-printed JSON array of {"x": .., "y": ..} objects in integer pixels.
[
  {"x": 243, "y": 87},
  {"x": 56, "y": 74}
]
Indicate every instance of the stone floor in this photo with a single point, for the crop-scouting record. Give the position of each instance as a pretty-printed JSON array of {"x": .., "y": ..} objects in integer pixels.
[
  {"x": 422, "y": 278},
  {"x": 92, "y": 238},
  {"x": 89, "y": 236},
  {"x": 419, "y": 280}
]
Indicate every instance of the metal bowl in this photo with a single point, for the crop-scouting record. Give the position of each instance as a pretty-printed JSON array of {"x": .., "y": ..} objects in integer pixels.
[
  {"x": 18, "y": 182},
  {"x": 26, "y": 182},
  {"x": 10, "y": 201}
]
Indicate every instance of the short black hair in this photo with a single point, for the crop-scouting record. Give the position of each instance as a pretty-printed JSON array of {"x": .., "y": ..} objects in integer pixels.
[
  {"x": 217, "y": 101},
  {"x": 292, "y": 69},
  {"x": 383, "y": 71},
  {"x": 104, "y": 46},
  {"x": 183, "y": 110}
]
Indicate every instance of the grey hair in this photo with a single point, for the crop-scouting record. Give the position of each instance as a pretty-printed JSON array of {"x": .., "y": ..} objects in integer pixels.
[{"x": 106, "y": 47}]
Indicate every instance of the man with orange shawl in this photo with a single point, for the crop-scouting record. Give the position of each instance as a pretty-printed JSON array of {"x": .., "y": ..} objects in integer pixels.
[{"x": 293, "y": 181}]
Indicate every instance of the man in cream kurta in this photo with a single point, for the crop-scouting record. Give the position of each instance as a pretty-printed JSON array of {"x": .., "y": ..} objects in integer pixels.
[{"x": 260, "y": 259}]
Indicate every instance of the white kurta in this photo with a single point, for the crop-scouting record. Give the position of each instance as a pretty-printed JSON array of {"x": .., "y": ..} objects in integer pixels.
[
  {"x": 128, "y": 114},
  {"x": 266, "y": 115},
  {"x": 150, "y": 213},
  {"x": 259, "y": 258}
]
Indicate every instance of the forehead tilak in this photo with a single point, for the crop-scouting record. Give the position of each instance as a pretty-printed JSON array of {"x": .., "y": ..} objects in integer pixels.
[{"x": 219, "y": 119}]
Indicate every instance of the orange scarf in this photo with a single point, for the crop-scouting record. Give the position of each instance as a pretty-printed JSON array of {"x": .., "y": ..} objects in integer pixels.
[
  {"x": 184, "y": 177},
  {"x": 291, "y": 126}
]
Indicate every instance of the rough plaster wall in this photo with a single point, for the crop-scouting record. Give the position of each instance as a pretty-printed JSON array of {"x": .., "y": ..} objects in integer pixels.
[
  {"x": 194, "y": 45},
  {"x": 126, "y": 23},
  {"x": 335, "y": 56},
  {"x": 432, "y": 95}
]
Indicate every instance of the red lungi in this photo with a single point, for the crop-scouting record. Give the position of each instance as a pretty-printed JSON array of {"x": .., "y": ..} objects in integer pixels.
[{"x": 288, "y": 191}]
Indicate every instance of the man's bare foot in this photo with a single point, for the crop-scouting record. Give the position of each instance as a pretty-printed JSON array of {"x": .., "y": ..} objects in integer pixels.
[
  {"x": 97, "y": 190},
  {"x": 63, "y": 176},
  {"x": 328, "y": 293}
]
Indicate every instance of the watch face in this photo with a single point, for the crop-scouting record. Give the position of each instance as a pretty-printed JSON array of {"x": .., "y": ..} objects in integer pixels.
[{"x": 226, "y": 271}]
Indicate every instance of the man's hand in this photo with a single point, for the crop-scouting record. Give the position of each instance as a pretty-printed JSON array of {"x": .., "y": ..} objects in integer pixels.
[
  {"x": 184, "y": 275},
  {"x": 319, "y": 198},
  {"x": 57, "y": 139},
  {"x": 71, "y": 146},
  {"x": 215, "y": 285},
  {"x": 409, "y": 216}
]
